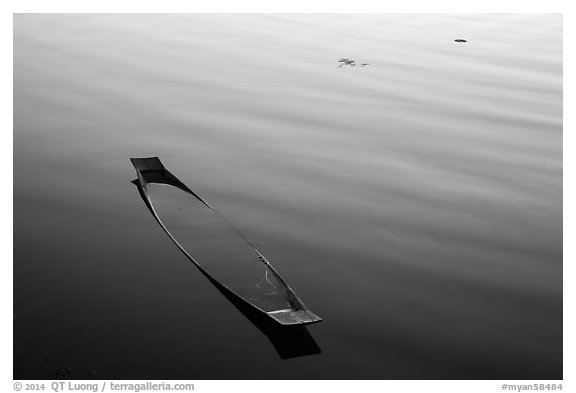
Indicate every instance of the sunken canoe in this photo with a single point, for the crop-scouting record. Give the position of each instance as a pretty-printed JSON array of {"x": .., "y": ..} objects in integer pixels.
[{"x": 216, "y": 247}]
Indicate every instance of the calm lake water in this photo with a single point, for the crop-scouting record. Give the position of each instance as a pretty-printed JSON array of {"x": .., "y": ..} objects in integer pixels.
[{"x": 415, "y": 204}]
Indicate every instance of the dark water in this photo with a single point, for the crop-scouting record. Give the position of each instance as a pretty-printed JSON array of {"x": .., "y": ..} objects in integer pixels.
[{"x": 415, "y": 204}]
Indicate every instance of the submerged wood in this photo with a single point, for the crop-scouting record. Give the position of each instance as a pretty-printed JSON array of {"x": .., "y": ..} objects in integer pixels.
[{"x": 218, "y": 249}]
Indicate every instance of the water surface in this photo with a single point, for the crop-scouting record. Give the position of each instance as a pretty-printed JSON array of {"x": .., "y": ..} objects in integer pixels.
[{"x": 415, "y": 204}]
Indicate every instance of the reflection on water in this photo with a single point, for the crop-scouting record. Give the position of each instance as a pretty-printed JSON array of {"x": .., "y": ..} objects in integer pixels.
[
  {"x": 288, "y": 341},
  {"x": 415, "y": 203}
]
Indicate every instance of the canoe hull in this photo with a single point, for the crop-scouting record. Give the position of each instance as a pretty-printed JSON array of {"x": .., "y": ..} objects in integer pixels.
[{"x": 220, "y": 251}]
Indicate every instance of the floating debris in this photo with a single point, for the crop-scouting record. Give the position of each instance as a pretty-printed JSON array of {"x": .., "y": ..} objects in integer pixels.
[
  {"x": 63, "y": 373},
  {"x": 460, "y": 40},
  {"x": 348, "y": 62}
]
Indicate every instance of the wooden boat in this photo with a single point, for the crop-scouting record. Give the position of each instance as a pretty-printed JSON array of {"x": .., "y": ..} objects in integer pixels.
[{"x": 216, "y": 247}]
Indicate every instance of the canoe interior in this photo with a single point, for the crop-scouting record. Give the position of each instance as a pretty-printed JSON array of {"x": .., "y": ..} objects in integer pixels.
[{"x": 216, "y": 247}]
